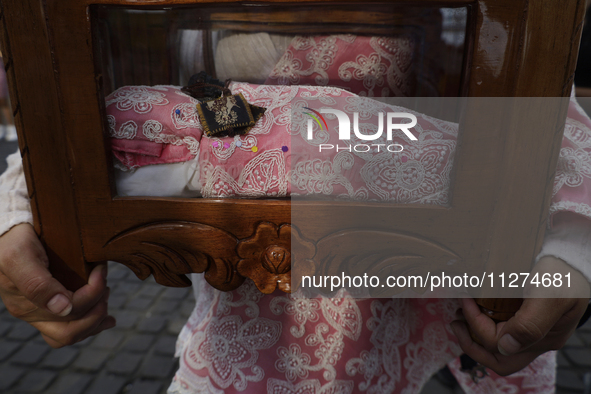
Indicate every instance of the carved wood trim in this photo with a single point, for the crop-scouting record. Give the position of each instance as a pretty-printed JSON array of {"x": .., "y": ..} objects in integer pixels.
[
  {"x": 169, "y": 250},
  {"x": 273, "y": 257},
  {"x": 383, "y": 253},
  {"x": 267, "y": 257}
]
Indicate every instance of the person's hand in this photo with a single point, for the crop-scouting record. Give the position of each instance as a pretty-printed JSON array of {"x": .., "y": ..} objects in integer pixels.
[
  {"x": 30, "y": 293},
  {"x": 540, "y": 325}
]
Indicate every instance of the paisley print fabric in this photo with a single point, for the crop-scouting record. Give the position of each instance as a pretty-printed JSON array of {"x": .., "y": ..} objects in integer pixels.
[
  {"x": 152, "y": 125},
  {"x": 285, "y": 162},
  {"x": 364, "y": 65},
  {"x": 246, "y": 342},
  {"x": 347, "y": 345}
]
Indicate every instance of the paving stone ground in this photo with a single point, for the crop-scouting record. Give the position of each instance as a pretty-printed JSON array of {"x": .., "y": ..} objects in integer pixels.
[
  {"x": 137, "y": 357},
  {"x": 6, "y": 148}
]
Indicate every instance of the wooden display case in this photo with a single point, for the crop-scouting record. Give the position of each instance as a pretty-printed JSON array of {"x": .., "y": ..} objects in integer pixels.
[{"x": 514, "y": 48}]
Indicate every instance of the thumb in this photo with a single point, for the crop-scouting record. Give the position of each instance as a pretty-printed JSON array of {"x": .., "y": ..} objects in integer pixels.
[
  {"x": 531, "y": 323},
  {"x": 24, "y": 262}
]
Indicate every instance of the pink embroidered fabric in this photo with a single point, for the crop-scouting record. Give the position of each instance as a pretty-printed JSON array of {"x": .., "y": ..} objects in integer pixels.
[
  {"x": 257, "y": 164},
  {"x": 244, "y": 341},
  {"x": 367, "y": 66},
  {"x": 152, "y": 125},
  {"x": 419, "y": 174},
  {"x": 538, "y": 377},
  {"x": 572, "y": 184},
  {"x": 287, "y": 163}
]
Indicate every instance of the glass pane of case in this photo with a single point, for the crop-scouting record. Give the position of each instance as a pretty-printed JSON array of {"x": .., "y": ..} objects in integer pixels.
[{"x": 161, "y": 146}]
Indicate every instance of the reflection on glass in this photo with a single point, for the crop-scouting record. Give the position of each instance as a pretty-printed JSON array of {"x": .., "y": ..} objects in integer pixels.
[{"x": 145, "y": 56}]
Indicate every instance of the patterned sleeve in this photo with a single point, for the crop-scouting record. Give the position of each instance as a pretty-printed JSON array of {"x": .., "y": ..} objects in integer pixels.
[
  {"x": 14, "y": 201},
  {"x": 572, "y": 184},
  {"x": 569, "y": 238}
]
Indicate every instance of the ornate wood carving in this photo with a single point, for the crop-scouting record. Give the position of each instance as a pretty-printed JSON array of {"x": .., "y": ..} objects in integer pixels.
[
  {"x": 169, "y": 250},
  {"x": 382, "y": 253},
  {"x": 273, "y": 256},
  {"x": 269, "y": 255}
]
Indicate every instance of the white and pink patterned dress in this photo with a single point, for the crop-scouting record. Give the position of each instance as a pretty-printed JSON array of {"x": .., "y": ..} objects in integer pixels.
[{"x": 246, "y": 342}]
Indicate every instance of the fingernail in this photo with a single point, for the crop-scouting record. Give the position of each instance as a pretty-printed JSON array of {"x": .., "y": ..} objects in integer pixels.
[
  {"x": 60, "y": 305},
  {"x": 508, "y": 345}
]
